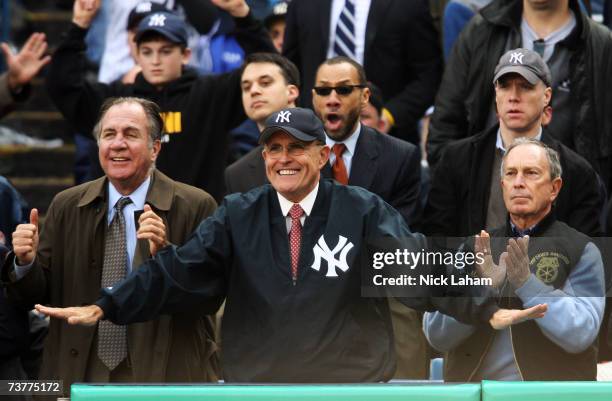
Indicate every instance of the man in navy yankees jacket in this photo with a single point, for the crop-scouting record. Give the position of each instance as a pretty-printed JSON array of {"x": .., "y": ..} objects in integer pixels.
[{"x": 289, "y": 316}]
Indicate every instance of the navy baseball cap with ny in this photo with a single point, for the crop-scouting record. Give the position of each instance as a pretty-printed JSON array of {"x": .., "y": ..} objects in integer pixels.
[
  {"x": 526, "y": 63},
  {"x": 300, "y": 123},
  {"x": 166, "y": 24}
]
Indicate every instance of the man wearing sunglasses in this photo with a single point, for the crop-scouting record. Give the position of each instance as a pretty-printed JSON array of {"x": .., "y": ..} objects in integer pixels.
[
  {"x": 287, "y": 317},
  {"x": 380, "y": 163}
]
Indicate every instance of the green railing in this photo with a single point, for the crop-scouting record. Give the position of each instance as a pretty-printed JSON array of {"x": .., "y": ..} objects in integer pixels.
[{"x": 485, "y": 391}]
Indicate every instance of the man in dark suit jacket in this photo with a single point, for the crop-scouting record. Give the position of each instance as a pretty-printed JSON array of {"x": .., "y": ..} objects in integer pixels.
[
  {"x": 465, "y": 196},
  {"x": 398, "y": 48},
  {"x": 387, "y": 166},
  {"x": 269, "y": 83}
]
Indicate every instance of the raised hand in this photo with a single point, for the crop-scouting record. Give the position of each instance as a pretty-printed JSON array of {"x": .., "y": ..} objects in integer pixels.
[
  {"x": 25, "y": 240},
  {"x": 84, "y": 11},
  {"x": 488, "y": 269},
  {"x": 152, "y": 228},
  {"x": 518, "y": 261},
  {"x": 82, "y": 315},
  {"x": 505, "y": 318},
  {"x": 24, "y": 66},
  {"x": 236, "y": 8}
]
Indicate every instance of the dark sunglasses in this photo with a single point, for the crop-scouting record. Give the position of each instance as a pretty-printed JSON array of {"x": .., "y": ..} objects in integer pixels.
[{"x": 342, "y": 90}]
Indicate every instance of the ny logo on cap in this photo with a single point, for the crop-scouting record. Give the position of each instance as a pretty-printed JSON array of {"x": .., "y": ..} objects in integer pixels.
[
  {"x": 157, "y": 20},
  {"x": 516, "y": 57},
  {"x": 283, "y": 116}
]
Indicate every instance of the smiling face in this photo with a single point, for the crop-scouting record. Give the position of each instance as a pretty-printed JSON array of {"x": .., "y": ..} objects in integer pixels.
[
  {"x": 293, "y": 166},
  {"x": 161, "y": 61},
  {"x": 340, "y": 114},
  {"x": 520, "y": 105},
  {"x": 124, "y": 146},
  {"x": 528, "y": 189},
  {"x": 265, "y": 91}
]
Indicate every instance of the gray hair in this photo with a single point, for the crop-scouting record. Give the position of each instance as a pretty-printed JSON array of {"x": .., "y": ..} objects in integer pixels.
[
  {"x": 554, "y": 165},
  {"x": 152, "y": 112}
]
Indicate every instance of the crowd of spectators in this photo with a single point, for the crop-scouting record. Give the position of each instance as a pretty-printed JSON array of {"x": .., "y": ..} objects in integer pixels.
[{"x": 527, "y": 76}]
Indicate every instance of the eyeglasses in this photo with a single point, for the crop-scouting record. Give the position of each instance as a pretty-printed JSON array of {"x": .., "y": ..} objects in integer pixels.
[
  {"x": 293, "y": 149},
  {"x": 342, "y": 90}
]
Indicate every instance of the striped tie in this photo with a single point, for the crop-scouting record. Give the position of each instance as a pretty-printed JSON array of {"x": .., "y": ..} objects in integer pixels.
[{"x": 344, "y": 44}]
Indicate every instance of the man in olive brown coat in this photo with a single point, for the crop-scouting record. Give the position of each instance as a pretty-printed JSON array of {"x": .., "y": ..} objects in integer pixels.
[{"x": 93, "y": 232}]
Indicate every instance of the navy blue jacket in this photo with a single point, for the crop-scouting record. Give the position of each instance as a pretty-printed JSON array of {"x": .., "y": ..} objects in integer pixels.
[{"x": 319, "y": 330}]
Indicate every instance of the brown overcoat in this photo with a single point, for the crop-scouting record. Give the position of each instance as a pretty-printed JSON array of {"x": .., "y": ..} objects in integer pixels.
[{"x": 67, "y": 272}]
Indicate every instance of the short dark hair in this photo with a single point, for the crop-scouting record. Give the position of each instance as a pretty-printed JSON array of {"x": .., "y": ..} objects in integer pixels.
[
  {"x": 153, "y": 36},
  {"x": 152, "y": 113},
  {"x": 342, "y": 59},
  {"x": 289, "y": 71},
  {"x": 376, "y": 97}
]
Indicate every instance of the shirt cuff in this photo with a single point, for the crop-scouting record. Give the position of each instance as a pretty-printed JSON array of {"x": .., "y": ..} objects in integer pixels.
[{"x": 21, "y": 271}]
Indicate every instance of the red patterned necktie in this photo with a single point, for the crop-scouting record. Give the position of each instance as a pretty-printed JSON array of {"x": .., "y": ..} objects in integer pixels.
[
  {"x": 339, "y": 169},
  {"x": 295, "y": 238}
]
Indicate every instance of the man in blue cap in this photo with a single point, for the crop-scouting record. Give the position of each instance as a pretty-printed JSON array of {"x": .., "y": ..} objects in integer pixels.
[{"x": 294, "y": 310}]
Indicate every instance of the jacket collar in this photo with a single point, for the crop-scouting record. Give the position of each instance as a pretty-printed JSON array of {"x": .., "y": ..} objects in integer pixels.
[{"x": 160, "y": 195}]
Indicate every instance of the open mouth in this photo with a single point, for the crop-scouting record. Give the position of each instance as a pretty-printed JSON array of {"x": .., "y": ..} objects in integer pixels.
[
  {"x": 333, "y": 121},
  {"x": 286, "y": 172},
  {"x": 119, "y": 159}
]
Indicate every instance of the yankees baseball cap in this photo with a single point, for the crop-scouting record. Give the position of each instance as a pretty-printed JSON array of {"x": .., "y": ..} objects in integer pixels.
[
  {"x": 142, "y": 10},
  {"x": 165, "y": 23},
  {"x": 298, "y": 122},
  {"x": 526, "y": 63}
]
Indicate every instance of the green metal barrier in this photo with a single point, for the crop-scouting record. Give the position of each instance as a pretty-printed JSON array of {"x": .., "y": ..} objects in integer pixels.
[
  {"x": 365, "y": 392},
  {"x": 546, "y": 391}
]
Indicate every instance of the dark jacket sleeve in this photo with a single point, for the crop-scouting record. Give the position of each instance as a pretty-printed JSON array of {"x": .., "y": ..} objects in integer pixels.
[
  {"x": 406, "y": 195},
  {"x": 35, "y": 286},
  {"x": 449, "y": 121},
  {"x": 587, "y": 194},
  {"x": 78, "y": 100},
  {"x": 473, "y": 305},
  {"x": 425, "y": 64},
  {"x": 441, "y": 208},
  {"x": 189, "y": 277},
  {"x": 291, "y": 41},
  {"x": 252, "y": 35}
]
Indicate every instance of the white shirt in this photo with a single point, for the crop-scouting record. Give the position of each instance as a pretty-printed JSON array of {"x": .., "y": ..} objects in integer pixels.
[
  {"x": 362, "y": 9},
  {"x": 138, "y": 200},
  {"x": 307, "y": 203},
  {"x": 350, "y": 143},
  {"x": 500, "y": 142}
]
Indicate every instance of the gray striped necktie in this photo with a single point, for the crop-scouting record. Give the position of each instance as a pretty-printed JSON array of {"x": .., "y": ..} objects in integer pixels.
[
  {"x": 112, "y": 338},
  {"x": 344, "y": 43}
]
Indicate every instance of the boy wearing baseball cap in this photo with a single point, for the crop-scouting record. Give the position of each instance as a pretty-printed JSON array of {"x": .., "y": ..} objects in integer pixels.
[{"x": 197, "y": 111}]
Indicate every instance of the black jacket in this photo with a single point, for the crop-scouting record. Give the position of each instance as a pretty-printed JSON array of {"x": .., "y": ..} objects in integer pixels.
[
  {"x": 382, "y": 164},
  {"x": 460, "y": 188},
  {"x": 320, "y": 329},
  {"x": 466, "y": 93},
  {"x": 402, "y": 54},
  {"x": 198, "y": 111}
]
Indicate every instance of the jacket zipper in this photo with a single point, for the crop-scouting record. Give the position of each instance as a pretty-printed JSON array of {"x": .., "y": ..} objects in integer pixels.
[
  {"x": 482, "y": 356},
  {"x": 514, "y": 355}
]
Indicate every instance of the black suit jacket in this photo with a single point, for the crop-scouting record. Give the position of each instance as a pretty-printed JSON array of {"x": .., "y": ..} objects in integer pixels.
[
  {"x": 387, "y": 166},
  {"x": 246, "y": 173},
  {"x": 460, "y": 188},
  {"x": 402, "y": 54}
]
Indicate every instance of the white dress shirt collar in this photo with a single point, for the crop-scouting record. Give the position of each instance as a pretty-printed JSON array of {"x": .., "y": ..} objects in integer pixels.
[{"x": 307, "y": 203}]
